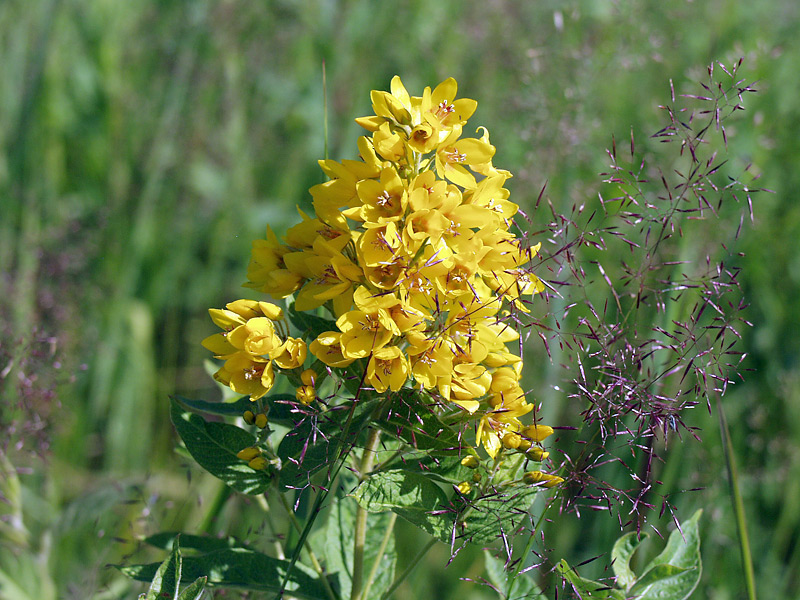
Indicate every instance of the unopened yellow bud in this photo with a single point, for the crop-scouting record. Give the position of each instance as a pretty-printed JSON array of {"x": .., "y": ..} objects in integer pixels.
[
  {"x": 259, "y": 463},
  {"x": 532, "y": 477},
  {"x": 471, "y": 462},
  {"x": 249, "y": 417},
  {"x": 536, "y": 433},
  {"x": 553, "y": 481},
  {"x": 306, "y": 394},
  {"x": 537, "y": 454},
  {"x": 511, "y": 440},
  {"x": 464, "y": 487},
  {"x": 547, "y": 480},
  {"x": 248, "y": 453},
  {"x": 524, "y": 445},
  {"x": 309, "y": 377},
  {"x": 261, "y": 420}
]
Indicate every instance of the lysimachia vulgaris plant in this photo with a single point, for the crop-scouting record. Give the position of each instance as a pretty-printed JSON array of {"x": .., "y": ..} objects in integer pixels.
[
  {"x": 378, "y": 375},
  {"x": 411, "y": 259}
]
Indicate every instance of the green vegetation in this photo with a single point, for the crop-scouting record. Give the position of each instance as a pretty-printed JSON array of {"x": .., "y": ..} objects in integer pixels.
[{"x": 145, "y": 144}]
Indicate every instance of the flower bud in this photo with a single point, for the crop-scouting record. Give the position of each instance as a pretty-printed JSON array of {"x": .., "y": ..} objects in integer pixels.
[
  {"x": 476, "y": 477},
  {"x": 547, "y": 480},
  {"x": 511, "y": 440},
  {"x": 306, "y": 394},
  {"x": 259, "y": 463},
  {"x": 249, "y": 417},
  {"x": 463, "y": 488},
  {"x": 261, "y": 420},
  {"x": 532, "y": 477},
  {"x": 471, "y": 461},
  {"x": 248, "y": 454},
  {"x": 309, "y": 377},
  {"x": 536, "y": 433},
  {"x": 537, "y": 454}
]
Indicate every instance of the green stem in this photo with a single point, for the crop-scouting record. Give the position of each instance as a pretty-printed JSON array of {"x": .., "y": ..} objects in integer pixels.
[
  {"x": 396, "y": 583},
  {"x": 738, "y": 504},
  {"x": 325, "y": 107},
  {"x": 262, "y": 502},
  {"x": 367, "y": 460},
  {"x": 521, "y": 562},
  {"x": 381, "y": 551},
  {"x": 332, "y": 595},
  {"x": 223, "y": 493}
]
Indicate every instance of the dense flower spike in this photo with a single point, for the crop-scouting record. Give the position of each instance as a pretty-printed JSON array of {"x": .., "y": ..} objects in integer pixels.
[{"x": 411, "y": 251}]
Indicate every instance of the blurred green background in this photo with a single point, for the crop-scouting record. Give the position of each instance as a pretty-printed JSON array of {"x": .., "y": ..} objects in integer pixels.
[{"x": 145, "y": 144}]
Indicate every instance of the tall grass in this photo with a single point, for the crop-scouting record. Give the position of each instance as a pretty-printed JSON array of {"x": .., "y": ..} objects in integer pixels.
[{"x": 145, "y": 144}]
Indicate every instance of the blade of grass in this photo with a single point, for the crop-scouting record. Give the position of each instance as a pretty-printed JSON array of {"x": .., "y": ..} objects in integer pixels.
[{"x": 738, "y": 504}]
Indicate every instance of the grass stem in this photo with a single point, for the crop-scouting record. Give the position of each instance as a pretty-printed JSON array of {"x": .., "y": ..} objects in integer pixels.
[
  {"x": 367, "y": 460},
  {"x": 738, "y": 504},
  {"x": 400, "y": 578}
]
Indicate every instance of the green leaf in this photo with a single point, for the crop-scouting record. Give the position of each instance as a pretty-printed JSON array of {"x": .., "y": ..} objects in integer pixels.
[
  {"x": 338, "y": 543},
  {"x": 445, "y": 469},
  {"x": 400, "y": 489},
  {"x": 524, "y": 586},
  {"x": 194, "y": 590},
  {"x": 586, "y": 588},
  {"x": 411, "y": 495},
  {"x": 166, "y": 539},
  {"x": 166, "y": 581},
  {"x": 314, "y": 442},
  {"x": 214, "y": 447},
  {"x": 223, "y": 409},
  {"x": 658, "y": 583},
  {"x": 675, "y": 573},
  {"x": 495, "y": 515},
  {"x": 279, "y": 411},
  {"x": 621, "y": 556},
  {"x": 240, "y": 568},
  {"x": 412, "y": 418},
  {"x": 417, "y": 498}
]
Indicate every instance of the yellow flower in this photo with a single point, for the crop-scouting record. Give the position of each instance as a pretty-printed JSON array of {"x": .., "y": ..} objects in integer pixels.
[
  {"x": 330, "y": 275},
  {"x": 306, "y": 394},
  {"x": 442, "y": 105},
  {"x": 303, "y": 234},
  {"x": 247, "y": 375},
  {"x": 454, "y": 153},
  {"x": 267, "y": 271},
  {"x": 252, "y": 323},
  {"x": 503, "y": 417},
  {"x": 431, "y": 361},
  {"x": 383, "y": 200},
  {"x": 365, "y": 332},
  {"x": 291, "y": 354},
  {"x": 257, "y": 337},
  {"x": 328, "y": 348},
  {"x": 387, "y": 368},
  {"x": 380, "y": 244},
  {"x": 405, "y": 317}
]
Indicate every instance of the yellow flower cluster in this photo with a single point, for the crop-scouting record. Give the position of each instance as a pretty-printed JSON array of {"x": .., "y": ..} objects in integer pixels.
[
  {"x": 410, "y": 249},
  {"x": 250, "y": 344}
]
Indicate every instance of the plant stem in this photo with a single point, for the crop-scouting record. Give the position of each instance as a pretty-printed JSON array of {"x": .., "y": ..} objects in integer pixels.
[
  {"x": 521, "y": 562},
  {"x": 738, "y": 504},
  {"x": 262, "y": 502},
  {"x": 312, "y": 557},
  {"x": 367, "y": 460},
  {"x": 400, "y": 578},
  {"x": 381, "y": 551},
  {"x": 223, "y": 493}
]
